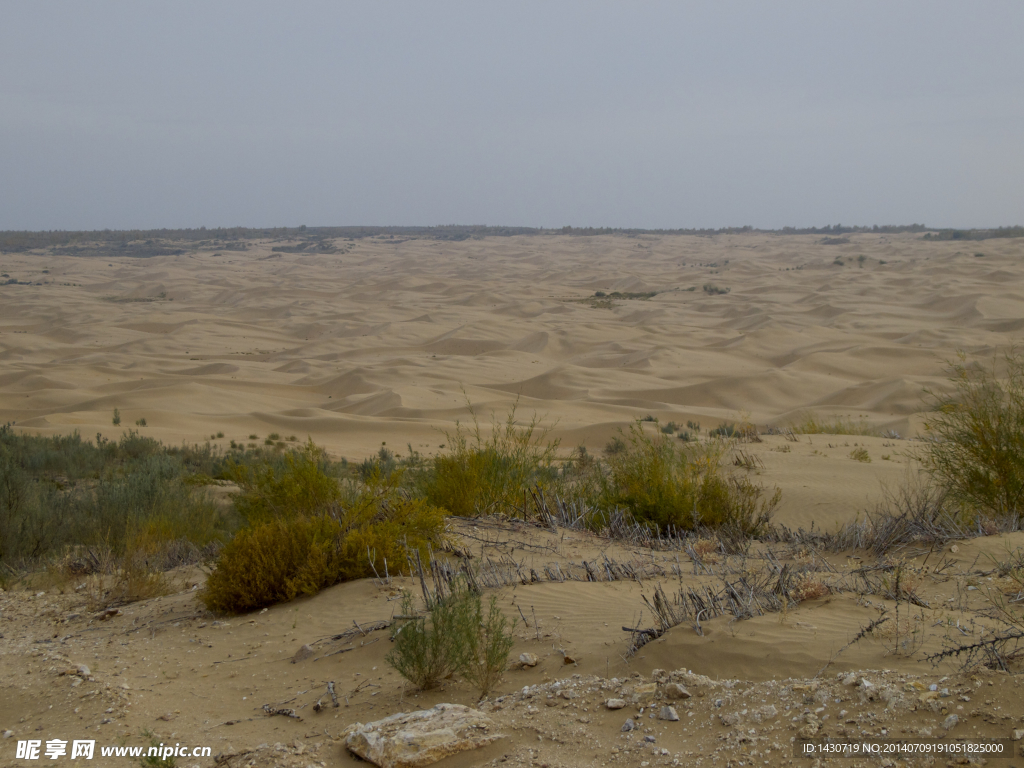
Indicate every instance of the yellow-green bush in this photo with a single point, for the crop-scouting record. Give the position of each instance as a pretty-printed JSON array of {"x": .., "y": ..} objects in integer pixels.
[
  {"x": 478, "y": 476},
  {"x": 305, "y": 534},
  {"x": 976, "y": 451},
  {"x": 659, "y": 482}
]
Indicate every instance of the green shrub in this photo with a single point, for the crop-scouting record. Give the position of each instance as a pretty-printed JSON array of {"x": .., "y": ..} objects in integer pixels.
[
  {"x": 455, "y": 638},
  {"x": 490, "y": 642},
  {"x": 306, "y": 533},
  {"x": 430, "y": 649},
  {"x": 659, "y": 482},
  {"x": 477, "y": 476},
  {"x": 976, "y": 451},
  {"x": 713, "y": 290},
  {"x": 117, "y": 418}
]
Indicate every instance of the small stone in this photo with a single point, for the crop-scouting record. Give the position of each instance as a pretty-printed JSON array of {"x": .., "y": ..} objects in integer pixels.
[
  {"x": 1018, "y": 735},
  {"x": 528, "y": 659},
  {"x": 629, "y": 725},
  {"x": 933, "y": 687},
  {"x": 166, "y": 717},
  {"x": 668, "y": 713},
  {"x": 850, "y": 679},
  {"x": 302, "y": 654},
  {"x": 676, "y": 691},
  {"x": 657, "y": 674},
  {"x": 927, "y": 696},
  {"x": 950, "y": 721},
  {"x": 650, "y": 739},
  {"x": 8, "y": 733},
  {"x": 615, "y": 703},
  {"x": 82, "y": 670}
]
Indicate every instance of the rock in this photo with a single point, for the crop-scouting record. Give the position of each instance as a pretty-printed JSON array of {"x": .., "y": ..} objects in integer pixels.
[
  {"x": 657, "y": 674},
  {"x": 528, "y": 659},
  {"x": 650, "y": 739},
  {"x": 676, "y": 691},
  {"x": 414, "y": 739},
  {"x": 950, "y": 722},
  {"x": 8, "y": 733},
  {"x": 645, "y": 689},
  {"x": 82, "y": 670},
  {"x": 302, "y": 654},
  {"x": 850, "y": 679},
  {"x": 1018, "y": 735},
  {"x": 668, "y": 713},
  {"x": 166, "y": 717},
  {"x": 615, "y": 703},
  {"x": 809, "y": 731},
  {"x": 629, "y": 725},
  {"x": 927, "y": 696}
]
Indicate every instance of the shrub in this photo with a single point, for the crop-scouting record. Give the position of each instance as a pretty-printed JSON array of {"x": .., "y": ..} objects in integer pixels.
[
  {"x": 117, "y": 418},
  {"x": 490, "y": 642},
  {"x": 456, "y": 637},
  {"x": 713, "y": 290},
  {"x": 976, "y": 450},
  {"x": 860, "y": 454},
  {"x": 660, "y": 482},
  {"x": 477, "y": 476},
  {"x": 430, "y": 649},
  {"x": 140, "y": 422},
  {"x": 305, "y": 533}
]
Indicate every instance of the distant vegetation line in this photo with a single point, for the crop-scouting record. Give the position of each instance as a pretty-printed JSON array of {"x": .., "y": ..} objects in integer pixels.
[{"x": 154, "y": 240}]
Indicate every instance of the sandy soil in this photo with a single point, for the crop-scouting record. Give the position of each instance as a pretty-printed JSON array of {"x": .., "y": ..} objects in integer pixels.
[{"x": 384, "y": 343}]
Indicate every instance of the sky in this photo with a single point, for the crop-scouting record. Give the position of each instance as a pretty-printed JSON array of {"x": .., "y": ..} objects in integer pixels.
[{"x": 586, "y": 113}]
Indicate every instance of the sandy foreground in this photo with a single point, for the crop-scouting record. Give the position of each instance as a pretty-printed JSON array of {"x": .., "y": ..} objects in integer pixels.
[{"x": 385, "y": 343}]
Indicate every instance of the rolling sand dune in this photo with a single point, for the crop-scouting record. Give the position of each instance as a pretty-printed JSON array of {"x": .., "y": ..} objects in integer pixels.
[{"x": 385, "y": 343}]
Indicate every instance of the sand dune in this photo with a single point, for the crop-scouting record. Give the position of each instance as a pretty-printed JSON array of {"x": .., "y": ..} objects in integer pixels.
[{"x": 385, "y": 343}]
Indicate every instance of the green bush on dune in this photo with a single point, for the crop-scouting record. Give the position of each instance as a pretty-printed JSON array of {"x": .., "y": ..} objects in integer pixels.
[
  {"x": 976, "y": 451},
  {"x": 489, "y": 476},
  {"x": 306, "y": 532},
  {"x": 659, "y": 481}
]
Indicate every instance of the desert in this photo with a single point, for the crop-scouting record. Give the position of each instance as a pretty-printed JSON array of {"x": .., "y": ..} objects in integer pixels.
[{"x": 816, "y": 358}]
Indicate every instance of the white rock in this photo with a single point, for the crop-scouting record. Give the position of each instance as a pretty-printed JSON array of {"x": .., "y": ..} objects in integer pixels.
[
  {"x": 83, "y": 670},
  {"x": 950, "y": 721},
  {"x": 1018, "y": 735},
  {"x": 528, "y": 659},
  {"x": 668, "y": 713},
  {"x": 414, "y": 739},
  {"x": 615, "y": 703},
  {"x": 9, "y": 733}
]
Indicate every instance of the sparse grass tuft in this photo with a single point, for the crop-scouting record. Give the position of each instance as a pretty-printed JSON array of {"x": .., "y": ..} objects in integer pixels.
[{"x": 836, "y": 425}]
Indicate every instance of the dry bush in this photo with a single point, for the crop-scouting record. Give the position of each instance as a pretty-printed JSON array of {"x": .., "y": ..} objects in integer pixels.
[
  {"x": 811, "y": 424},
  {"x": 809, "y": 588}
]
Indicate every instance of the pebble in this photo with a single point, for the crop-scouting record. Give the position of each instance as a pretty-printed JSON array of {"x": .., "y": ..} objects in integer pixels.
[
  {"x": 83, "y": 670},
  {"x": 8, "y": 733},
  {"x": 1018, "y": 735},
  {"x": 650, "y": 739},
  {"x": 528, "y": 659},
  {"x": 629, "y": 725},
  {"x": 302, "y": 654},
  {"x": 668, "y": 713},
  {"x": 615, "y": 703},
  {"x": 950, "y": 721}
]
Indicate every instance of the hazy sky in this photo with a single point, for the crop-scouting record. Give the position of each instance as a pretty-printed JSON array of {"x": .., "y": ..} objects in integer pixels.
[{"x": 627, "y": 114}]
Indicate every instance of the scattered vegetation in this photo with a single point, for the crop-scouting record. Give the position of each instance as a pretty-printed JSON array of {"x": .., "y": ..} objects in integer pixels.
[
  {"x": 810, "y": 424},
  {"x": 860, "y": 454},
  {"x": 713, "y": 290}
]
